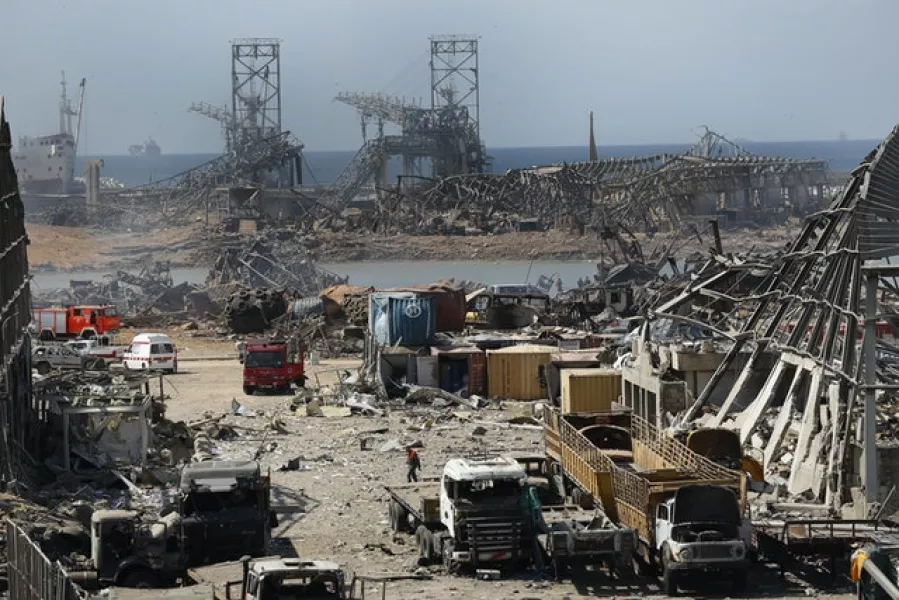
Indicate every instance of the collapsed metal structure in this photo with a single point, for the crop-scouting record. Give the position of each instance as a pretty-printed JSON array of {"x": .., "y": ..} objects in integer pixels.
[
  {"x": 20, "y": 419},
  {"x": 173, "y": 199},
  {"x": 255, "y": 114},
  {"x": 446, "y": 136},
  {"x": 714, "y": 177},
  {"x": 823, "y": 311}
]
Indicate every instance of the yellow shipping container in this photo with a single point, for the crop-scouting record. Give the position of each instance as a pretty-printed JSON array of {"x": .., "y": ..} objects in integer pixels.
[
  {"x": 512, "y": 372},
  {"x": 589, "y": 390}
]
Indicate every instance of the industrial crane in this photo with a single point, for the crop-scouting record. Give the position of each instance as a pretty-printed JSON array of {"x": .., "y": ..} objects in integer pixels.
[{"x": 223, "y": 116}]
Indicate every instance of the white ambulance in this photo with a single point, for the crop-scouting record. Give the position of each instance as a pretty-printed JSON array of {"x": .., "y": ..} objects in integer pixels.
[{"x": 151, "y": 352}]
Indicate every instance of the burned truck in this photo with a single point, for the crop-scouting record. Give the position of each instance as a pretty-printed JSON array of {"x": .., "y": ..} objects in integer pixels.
[
  {"x": 226, "y": 507},
  {"x": 222, "y": 513}
]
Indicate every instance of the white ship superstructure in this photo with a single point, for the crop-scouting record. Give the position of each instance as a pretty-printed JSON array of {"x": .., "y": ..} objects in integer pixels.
[{"x": 46, "y": 164}]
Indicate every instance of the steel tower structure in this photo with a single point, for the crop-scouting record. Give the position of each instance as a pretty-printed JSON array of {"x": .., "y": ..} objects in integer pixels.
[
  {"x": 256, "y": 88},
  {"x": 455, "y": 77}
]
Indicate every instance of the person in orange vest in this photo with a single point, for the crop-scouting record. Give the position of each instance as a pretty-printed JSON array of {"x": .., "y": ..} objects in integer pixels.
[{"x": 414, "y": 464}]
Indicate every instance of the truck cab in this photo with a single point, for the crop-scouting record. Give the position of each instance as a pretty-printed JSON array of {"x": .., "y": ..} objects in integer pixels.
[
  {"x": 481, "y": 508},
  {"x": 273, "y": 364},
  {"x": 700, "y": 528},
  {"x": 128, "y": 551},
  {"x": 227, "y": 513},
  {"x": 276, "y": 577}
]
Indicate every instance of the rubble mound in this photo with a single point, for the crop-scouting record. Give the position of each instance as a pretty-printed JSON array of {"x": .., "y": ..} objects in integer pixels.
[{"x": 252, "y": 311}]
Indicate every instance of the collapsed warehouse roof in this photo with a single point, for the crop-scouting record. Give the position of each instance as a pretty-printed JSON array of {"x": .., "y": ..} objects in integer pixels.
[
  {"x": 645, "y": 191},
  {"x": 825, "y": 308}
]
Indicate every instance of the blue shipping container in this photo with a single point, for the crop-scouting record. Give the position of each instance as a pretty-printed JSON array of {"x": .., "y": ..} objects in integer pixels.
[{"x": 401, "y": 318}]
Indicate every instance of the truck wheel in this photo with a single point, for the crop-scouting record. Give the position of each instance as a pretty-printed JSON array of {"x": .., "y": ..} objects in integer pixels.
[
  {"x": 140, "y": 578},
  {"x": 301, "y": 381},
  {"x": 669, "y": 578},
  {"x": 423, "y": 537},
  {"x": 43, "y": 368},
  {"x": 448, "y": 563},
  {"x": 627, "y": 569},
  {"x": 397, "y": 516},
  {"x": 437, "y": 541},
  {"x": 740, "y": 580},
  {"x": 249, "y": 390}
]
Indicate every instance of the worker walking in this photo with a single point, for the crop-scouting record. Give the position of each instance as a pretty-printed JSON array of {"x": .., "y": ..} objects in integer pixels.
[{"x": 414, "y": 464}]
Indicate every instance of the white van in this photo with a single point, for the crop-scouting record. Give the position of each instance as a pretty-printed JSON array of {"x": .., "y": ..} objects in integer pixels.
[{"x": 151, "y": 351}]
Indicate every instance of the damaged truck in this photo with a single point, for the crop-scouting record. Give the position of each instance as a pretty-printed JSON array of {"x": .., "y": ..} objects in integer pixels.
[
  {"x": 688, "y": 512},
  {"x": 486, "y": 513},
  {"x": 222, "y": 513},
  {"x": 473, "y": 516}
]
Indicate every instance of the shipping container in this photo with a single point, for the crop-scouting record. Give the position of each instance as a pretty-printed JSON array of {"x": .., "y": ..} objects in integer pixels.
[
  {"x": 449, "y": 304},
  {"x": 589, "y": 390},
  {"x": 513, "y": 372},
  {"x": 405, "y": 319}
]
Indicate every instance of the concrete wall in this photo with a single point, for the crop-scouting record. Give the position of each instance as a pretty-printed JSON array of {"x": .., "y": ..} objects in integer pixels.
[{"x": 695, "y": 370}]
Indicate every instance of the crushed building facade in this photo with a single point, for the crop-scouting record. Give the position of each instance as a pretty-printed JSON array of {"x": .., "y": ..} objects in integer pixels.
[
  {"x": 20, "y": 418},
  {"x": 798, "y": 352}
]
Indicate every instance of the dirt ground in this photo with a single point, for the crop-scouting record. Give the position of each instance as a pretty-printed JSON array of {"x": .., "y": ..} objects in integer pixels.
[
  {"x": 68, "y": 248},
  {"x": 334, "y": 507},
  {"x": 71, "y": 248}
]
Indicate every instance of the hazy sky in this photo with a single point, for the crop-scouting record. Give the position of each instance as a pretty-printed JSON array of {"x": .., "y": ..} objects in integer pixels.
[{"x": 652, "y": 70}]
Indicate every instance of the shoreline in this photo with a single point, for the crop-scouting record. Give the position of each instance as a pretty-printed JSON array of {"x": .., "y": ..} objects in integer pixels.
[{"x": 55, "y": 249}]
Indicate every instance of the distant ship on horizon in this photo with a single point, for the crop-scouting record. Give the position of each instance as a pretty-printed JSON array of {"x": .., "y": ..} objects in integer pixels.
[
  {"x": 46, "y": 164},
  {"x": 149, "y": 149}
]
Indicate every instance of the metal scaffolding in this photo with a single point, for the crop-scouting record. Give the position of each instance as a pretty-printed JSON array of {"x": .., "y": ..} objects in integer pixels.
[
  {"x": 256, "y": 88},
  {"x": 455, "y": 77}
]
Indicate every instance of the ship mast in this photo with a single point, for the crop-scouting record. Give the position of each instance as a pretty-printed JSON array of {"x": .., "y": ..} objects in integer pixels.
[{"x": 63, "y": 107}]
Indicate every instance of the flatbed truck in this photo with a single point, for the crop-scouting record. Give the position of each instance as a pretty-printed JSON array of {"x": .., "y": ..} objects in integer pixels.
[
  {"x": 504, "y": 529},
  {"x": 474, "y": 515},
  {"x": 687, "y": 511}
]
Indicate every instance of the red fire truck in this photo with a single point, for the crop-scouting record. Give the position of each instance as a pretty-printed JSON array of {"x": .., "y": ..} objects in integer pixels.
[
  {"x": 75, "y": 321},
  {"x": 272, "y": 364}
]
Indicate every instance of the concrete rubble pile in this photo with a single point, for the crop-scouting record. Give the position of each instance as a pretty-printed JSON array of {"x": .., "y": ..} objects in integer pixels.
[
  {"x": 277, "y": 259},
  {"x": 149, "y": 297},
  {"x": 796, "y": 351}
]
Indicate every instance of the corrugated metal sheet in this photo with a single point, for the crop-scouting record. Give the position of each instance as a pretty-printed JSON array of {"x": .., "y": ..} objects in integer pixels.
[
  {"x": 589, "y": 390},
  {"x": 512, "y": 372},
  {"x": 306, "y": 306},
  {"x": 406, "y": 319}
]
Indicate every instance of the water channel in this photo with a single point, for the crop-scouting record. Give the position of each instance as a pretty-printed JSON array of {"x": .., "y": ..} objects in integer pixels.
[{"x": 386, "y": 274}]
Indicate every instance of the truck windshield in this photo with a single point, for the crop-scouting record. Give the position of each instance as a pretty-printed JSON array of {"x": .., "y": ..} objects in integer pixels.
[
  {"x": 477, "y": 491},
  {"x": 268, "y": 360},
  {"x": 299, "y": 587}
]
